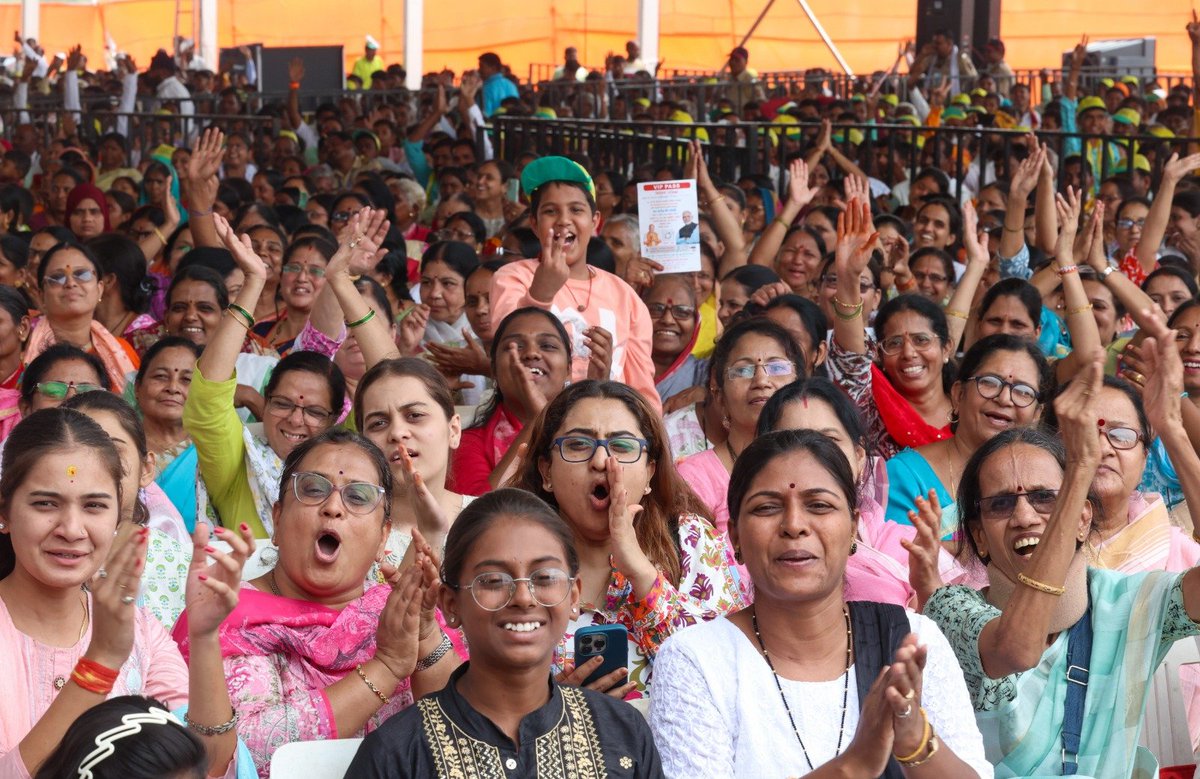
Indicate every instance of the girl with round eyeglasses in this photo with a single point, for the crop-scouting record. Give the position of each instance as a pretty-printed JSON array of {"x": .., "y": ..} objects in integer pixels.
[{"x": 510, "y": 581}]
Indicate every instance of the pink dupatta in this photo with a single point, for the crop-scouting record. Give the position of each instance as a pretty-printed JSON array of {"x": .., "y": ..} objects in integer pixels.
[{"x": 110, "y": 351}]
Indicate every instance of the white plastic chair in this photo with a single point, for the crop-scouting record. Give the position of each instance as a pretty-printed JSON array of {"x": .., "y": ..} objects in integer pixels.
[
  {"x": 315, "y": 759},
  {"x": 1165, "y": 730}
]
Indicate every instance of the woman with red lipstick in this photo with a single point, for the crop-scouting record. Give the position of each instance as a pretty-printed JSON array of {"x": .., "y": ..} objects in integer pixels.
[
  {"x": 802, "y": 682},
  {"x": 598, "y": 453},
  {"x": 511, "y": 580}
]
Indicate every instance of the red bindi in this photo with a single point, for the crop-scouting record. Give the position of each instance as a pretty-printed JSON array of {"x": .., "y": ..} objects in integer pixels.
[
  {"x": 1099, "y": 423},
  {"x": 792, "y": 485}
]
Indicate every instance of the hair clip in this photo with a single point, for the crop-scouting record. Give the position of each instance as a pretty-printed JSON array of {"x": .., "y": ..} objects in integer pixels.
[{"x": 131, "y": 724}]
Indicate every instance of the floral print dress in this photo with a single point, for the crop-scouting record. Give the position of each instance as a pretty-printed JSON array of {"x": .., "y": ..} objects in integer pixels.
[{"x": 708, "y": 588}]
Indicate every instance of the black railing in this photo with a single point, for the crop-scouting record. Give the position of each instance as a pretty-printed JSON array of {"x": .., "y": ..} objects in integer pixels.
[
  {"x": 741, "y": 149},
  {"x": 145, "y": 130}
]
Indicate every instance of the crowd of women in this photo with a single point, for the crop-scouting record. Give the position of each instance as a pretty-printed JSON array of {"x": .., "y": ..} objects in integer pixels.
[{"x": 875, "y": 492}]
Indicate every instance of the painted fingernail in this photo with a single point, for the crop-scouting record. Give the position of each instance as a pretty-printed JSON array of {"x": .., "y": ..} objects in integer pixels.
[
  {"x": 210, "y": 549},
  {"x": 219, "y": 530},
  {"x": 244, "y": 527},
  {"x": 202, "y": 578}
]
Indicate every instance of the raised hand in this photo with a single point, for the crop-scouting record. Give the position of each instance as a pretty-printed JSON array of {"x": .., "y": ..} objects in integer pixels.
[
  {"x": 895, "y": 253},
  {"x": 924, "y": 576},
  {"x": 1162, "y": 381},
  {"x": 1068, "y": 208},
  {"x": 1177, "y": 168},
  {"x": 1079, "y": 53},
  {"x": 552, "y": 270},
  {"x": 212, "y": 588},
  {"x": 527, "y": 394},
  {"x": 973, "y": 241},
  {"x": 1193, "y": 29},
  {"x": 1025, "y": 177},
  {"x": 239, "y": 246},
  {"x": 856, "y": 239},
  {"x": 114, "y": 595},
  {"x": 296, "y": 70},
  {"x": 75, "y": 57},
  {"x": 203, "y": 167},
  {"x": 600, "y": 342},
  {"x": 169, "y": 206},
  {"x": 800, "y": 192},
  {"x": 359, "y": 243},
  {"x": 1077, "y": 409}
]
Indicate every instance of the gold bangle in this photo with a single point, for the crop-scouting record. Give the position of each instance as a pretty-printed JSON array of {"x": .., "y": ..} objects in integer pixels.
[
  {"x": 847, "y": 306},
  {"x": 954, "y": 312},
  {"x": 933, "y": 748},
  {"x": 924, "y": 741},
  {"x": 1080, "y": 310},
  {"x": 159, "y": 235},
  {"x": 1020, "y": 229},
  {"x": 850, "y": 317},
  {"x": 786, "y": 224},
  {"x": 1049, "y": 589},
  {"x": 362, "y": 675},
  {"x": 715, "y": 200}
]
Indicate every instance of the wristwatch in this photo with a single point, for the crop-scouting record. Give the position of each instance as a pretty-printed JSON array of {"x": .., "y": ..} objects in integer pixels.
[{"x": 1104, "y": 274}]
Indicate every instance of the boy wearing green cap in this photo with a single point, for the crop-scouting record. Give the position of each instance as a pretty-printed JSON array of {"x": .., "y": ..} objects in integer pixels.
[{"x": 605, "y": 318}]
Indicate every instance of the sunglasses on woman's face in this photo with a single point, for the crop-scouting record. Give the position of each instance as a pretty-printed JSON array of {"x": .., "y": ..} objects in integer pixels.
[
  {"x": 57, "y": 390},
  {"x": 59, "y": 278}
]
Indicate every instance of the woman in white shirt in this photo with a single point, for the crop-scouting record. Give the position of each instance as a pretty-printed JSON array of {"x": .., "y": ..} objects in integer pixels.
[{"x": 793, "y": 685}]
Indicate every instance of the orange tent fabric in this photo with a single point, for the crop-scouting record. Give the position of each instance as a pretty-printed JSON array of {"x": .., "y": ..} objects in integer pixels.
[{"x": 694, "y": 33}]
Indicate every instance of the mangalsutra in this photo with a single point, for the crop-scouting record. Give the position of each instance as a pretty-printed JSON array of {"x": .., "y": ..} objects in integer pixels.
[{"x": 779, "y": 686}]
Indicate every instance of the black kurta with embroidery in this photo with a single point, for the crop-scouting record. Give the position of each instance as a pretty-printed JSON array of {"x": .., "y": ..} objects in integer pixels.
[{"x": 578, "y": 733}]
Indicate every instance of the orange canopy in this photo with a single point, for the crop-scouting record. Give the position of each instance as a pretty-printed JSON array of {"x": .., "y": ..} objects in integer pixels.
[{"x": 694, "y": 33}]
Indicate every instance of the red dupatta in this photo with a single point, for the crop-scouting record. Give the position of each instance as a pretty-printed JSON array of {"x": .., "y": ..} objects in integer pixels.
[{"x": 903, "y": 423}]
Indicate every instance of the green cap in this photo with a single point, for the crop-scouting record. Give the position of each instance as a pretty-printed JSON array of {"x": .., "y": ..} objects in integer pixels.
[
  {"x": 1127, "y": 116},
  {"x": 953, "y": 112},
  {"x": 546, "y": 169}
]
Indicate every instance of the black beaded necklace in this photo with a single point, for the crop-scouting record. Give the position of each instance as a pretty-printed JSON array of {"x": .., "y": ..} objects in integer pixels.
[{"x": 779, "y": 686}]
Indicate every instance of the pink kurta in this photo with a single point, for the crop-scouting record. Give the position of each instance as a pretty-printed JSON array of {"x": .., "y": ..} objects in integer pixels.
[{"x": 155, "y": 668}]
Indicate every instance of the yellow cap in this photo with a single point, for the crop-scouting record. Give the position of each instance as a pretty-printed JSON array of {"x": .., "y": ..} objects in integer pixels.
[{"x": 1141, "y": 163}]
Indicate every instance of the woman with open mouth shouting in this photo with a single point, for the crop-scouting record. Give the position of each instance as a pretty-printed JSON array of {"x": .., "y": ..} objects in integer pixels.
[
  {"x": 511, "y": 581},
  {"x": 1026, "y": 506},
  {"x": 531, "y": 361},
  {"x": 803, "y": 682},
  {"x": 311, "y": 652},
  {"x": 650, "y": 557}
]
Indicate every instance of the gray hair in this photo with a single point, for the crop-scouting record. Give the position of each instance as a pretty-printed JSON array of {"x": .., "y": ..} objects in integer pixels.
[{"x": 628, "y": 221}]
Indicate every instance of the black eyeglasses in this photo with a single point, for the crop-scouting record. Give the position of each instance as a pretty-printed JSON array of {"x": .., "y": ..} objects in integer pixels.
[
  {"x": 494, "y": 590},
  {"x": 313, "y": 489},
  {"x": 1003, "y": 506},
  {"x": 935, "y": 278},
  {"x": 1121, "y": 437},
  {"x": 582, "y": 448},
  {"x": 678, "y": 312},
  {"x": 990, "y": 387}
]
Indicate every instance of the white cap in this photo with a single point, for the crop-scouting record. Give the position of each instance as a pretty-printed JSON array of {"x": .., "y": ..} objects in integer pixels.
[
  {"x": 372, "y": 43},
  {"x": 185, "y": 44}
]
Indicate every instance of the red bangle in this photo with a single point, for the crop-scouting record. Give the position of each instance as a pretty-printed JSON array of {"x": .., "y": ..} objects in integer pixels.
[
  {"x": 93, "y": 677},
  {"x": 910, "y": 285},
  {"x": 294, "y": 85}
]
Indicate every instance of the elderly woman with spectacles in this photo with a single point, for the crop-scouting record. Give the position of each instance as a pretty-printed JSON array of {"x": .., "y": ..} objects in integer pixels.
[{"x": 311, "y": 652}]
